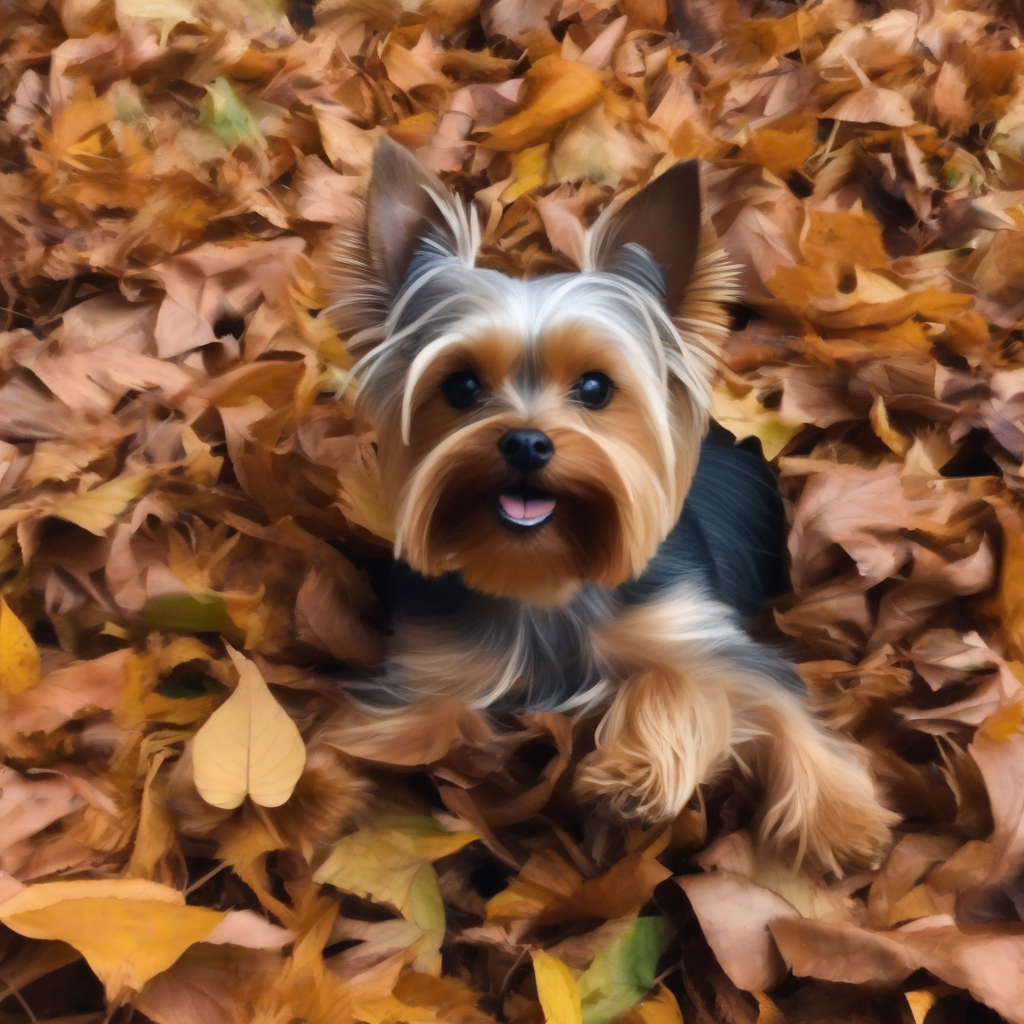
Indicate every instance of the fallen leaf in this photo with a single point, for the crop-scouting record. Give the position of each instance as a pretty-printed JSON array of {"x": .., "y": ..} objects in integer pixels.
[
  {"x": 873, "y": 104},
  {"x": 97, "y": 510},
  {"x": 746, "y": 417},
  {"x": 556, "y": 989},
  {"x": 19, "y": 657},
  {"x": 129, "y": 930},
  {"x": 390, "y": 863},
  {"x": 557, "y": 90},
  {"x": 735, "y": 915},
  {"x": 248, "y": 746},
  {"x": 623, "y": 972}
]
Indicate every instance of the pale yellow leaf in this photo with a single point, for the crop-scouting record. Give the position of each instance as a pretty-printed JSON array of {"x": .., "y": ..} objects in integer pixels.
[
  {"x": 381, "y": 862},
  {"x": 390, "y": 862},
  {"x": 874, "y": 105},
  {"x": 128, "y": 930},
  {"x": 887, "y": 433},
  {"x": 97, "y": 510},
  {"x": 248, "y": 746},
  {"x": 746, "y": 417},
  {"x": 556, "y": 989},
  {"x": 19, "y": 657}
]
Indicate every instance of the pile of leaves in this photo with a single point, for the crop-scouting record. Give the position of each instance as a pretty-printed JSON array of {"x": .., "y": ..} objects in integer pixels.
[{"x": 191, "y": 529}]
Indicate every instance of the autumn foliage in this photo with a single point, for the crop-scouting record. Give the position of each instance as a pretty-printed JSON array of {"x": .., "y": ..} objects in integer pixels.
[{"x": 190, "y": 529}]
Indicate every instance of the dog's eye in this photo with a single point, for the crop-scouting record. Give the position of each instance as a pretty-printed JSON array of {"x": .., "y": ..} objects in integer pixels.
[
  {"x": 593, "y": 390},
  {"x": 461, "y": 389}
]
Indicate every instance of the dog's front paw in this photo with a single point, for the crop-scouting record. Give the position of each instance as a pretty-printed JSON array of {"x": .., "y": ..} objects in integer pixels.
[{"x": 629, "y": 787}]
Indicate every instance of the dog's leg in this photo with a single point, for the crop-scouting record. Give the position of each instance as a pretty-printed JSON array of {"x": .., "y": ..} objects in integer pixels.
[
  {"x": 699, "y": 694},
  {"x": 820, "y": 797},
  {"x": 664, "y": 734}
]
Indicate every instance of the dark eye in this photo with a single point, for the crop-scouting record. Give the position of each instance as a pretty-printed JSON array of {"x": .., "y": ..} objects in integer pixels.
[
  {"x": 593, "y": 390},
  {"x": 461, "y": 389}
]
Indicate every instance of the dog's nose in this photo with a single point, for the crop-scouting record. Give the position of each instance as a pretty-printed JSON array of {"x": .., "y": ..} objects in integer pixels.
[{"x": 526, "y": 450}]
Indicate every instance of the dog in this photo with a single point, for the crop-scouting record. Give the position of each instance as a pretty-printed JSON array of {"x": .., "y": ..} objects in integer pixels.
[{"x": 568, "y": 535}]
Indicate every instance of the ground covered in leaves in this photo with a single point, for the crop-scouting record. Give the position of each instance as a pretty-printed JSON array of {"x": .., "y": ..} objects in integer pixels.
[{"x": 187, "y": 513}]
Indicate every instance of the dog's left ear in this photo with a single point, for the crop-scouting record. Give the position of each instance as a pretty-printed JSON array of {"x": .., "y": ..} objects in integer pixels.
[{"x": 664, "y": 219}]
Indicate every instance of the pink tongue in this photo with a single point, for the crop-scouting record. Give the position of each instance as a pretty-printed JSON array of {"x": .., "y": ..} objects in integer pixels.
[{"x": 532, "y": 508}]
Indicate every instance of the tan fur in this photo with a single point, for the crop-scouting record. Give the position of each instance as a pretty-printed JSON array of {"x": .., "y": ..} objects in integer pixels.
[
  {"x": 685, "y": 697},
  {"x": 620, "y": 476},
  {"x": 329, "y": 796},
  {"x": 680, "y": 717}
]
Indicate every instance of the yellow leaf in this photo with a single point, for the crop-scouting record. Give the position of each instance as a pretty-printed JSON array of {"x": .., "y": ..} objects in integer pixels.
[
  {"x": 128, "y": 930},
  {"x": 248, "y": 745},
  {"x": 768, "y": 1012},
  {"x": 556, "y": 989},
  {"x": 390, "y": 862},
  {"x": 425, "y": 908},
  {"x": 661, "y": 1008},
  {"x": 381, "y": 862},
  {"x": 920, "y": 1002},
  {"x": 558, "y": 89},
  {"x": 19, "y": 657},
  {"x": 528, "y": 169},
  {"x": 97, "y": 510},
  {"x": 886, "y": 432},
  {"x": 360, "y": 496},
  {"x": 1001, "y": 725},
  {"x": 747, "y": 417}
]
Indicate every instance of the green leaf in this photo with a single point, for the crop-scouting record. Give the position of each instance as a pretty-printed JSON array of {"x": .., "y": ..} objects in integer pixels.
[
  {"x": 200, "y": 613},
  {"x": 425, "y": 908},
  {"x": 624, "y": 971},
  {"x": 228, "y": 117},
  {"x": 390, "y": 862}
]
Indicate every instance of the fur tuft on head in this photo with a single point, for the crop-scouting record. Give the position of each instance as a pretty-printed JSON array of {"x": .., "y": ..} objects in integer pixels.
[{"x": 643, "y": 317}]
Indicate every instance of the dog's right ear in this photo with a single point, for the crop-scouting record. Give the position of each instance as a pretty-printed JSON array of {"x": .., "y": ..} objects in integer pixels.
[{"x": 405, "y": 206}]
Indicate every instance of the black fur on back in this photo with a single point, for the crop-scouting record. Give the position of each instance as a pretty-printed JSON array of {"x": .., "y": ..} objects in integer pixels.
[
  {"x": 729, "y": 544},
  {"x": 731, "y": 536}
]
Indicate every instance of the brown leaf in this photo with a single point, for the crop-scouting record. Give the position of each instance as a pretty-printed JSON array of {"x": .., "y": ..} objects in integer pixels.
[
  {"x": 623, "y": 889},
  {"x": 734, "y": 914}
]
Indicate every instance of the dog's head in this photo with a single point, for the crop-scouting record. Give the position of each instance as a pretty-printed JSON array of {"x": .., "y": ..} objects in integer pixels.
[{"x": 532, "y": 434}]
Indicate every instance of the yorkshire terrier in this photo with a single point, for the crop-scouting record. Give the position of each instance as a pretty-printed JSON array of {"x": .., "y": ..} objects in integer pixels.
[{"x": 568, "y": 535}]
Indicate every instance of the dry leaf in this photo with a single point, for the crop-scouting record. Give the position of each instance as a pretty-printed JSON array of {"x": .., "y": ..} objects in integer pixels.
[
  {"x": 873, "y": 105},
  {"x": 734, "y": 915},
  {"x": 19, "y": 657},
  {"x": 97, "y": 510},
  {"x": 178, "y": 457},
  {"x": 248, "y": 746},
  {"x": 128, "y": 930},
  {"x": 556, "y": 990},
  {"x": 558, "y": 89}
]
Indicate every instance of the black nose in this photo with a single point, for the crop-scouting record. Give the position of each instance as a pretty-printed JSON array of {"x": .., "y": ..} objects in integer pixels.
[{"x": 526, "y": 450}]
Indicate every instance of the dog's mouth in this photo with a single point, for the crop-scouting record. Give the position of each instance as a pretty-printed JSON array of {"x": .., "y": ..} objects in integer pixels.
[{"x": 524, "y": 508}]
